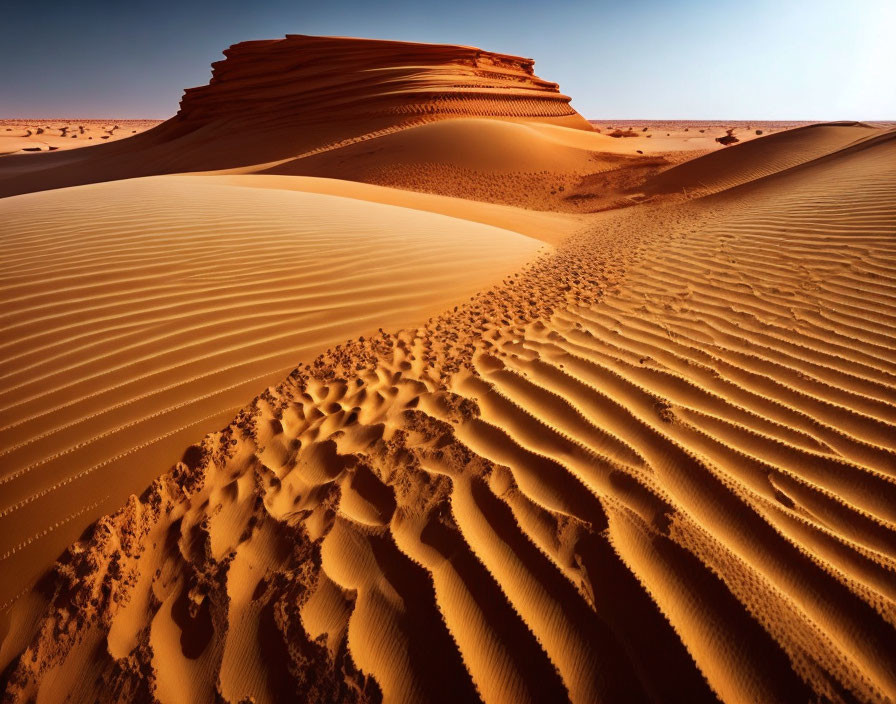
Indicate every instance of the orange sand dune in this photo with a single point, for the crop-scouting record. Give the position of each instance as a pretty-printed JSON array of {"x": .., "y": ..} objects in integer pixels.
[
  {"x": 752, "y": 160},
  {"x": 653, "y": 463},
  {"x": 548, "y": 226},
  {"x": 477, "y": 159},
  {"x": 141, "y": 314},
  {"x": 660, "y": 460}
]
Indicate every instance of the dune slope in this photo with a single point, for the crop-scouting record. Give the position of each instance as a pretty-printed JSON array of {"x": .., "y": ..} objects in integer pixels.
[
  {"x": 319, "y": 78},
  {"x": 529, "y": 165},
  {"x": 752, "y": 160},
  {"x": 142, "y": 314},
  {"x": 656, "y": 465}
]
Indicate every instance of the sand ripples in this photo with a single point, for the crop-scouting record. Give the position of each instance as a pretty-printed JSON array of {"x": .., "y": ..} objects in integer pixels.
[
  {"x": 141, "y": 314},
  {"x": 657, "y": 465}
]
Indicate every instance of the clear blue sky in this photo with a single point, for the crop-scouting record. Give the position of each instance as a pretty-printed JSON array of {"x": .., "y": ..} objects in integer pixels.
[{"x": 685, "y": 59}]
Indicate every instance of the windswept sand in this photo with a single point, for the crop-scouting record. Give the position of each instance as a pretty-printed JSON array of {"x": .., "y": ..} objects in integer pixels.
[
  {"x": 482, "y": 159},
  {"x": 785, "y": 150},
  {"x": 140, "y": 315},
  {"x": 653, "y": 463}
]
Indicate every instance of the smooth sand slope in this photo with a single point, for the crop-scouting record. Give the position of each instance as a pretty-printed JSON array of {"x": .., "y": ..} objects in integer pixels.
[
  {"x": 657, "y": 465},
  {"x": 548, "y": 226},
  {"x": 530, "y": 165},
  {"x": 142, "y": 314},
  {"x": 752, "y": 160}
]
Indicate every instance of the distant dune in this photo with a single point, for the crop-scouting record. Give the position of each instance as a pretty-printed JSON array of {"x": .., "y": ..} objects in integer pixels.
[
  {"x": 753, "y": 160},
  {"x": 565, "y": 422}
]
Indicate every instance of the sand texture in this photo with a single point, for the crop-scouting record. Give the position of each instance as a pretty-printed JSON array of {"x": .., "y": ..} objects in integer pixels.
[
  {"x": 646, "y": 456},
  {"x": 142, "y": 314}
]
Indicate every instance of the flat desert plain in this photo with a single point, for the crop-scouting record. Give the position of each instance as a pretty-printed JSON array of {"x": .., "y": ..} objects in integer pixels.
[
  {"x": 18, "y": 136},
  {"x": 378, "y": 373}
]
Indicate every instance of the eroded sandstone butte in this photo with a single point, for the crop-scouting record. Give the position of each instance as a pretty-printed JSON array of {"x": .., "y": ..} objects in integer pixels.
[
  {"x": 316, "y": 80},
  {"x": 275, "y": 100}
]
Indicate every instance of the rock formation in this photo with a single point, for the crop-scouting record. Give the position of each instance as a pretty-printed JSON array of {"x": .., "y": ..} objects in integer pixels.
[{"x": 304, "y": 79}]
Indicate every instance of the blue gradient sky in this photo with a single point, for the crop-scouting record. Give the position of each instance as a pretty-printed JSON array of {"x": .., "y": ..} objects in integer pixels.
[{"x": 697, "y": 59}]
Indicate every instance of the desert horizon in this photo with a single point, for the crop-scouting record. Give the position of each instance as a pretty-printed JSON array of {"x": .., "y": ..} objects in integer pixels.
[{"x": 381, "y": 372}]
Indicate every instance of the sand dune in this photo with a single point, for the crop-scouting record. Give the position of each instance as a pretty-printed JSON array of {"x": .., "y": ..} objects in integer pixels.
[
  {"x": 655, "y": 462},
  {"x": 140, "y": 315},
  {"x": 660, "y": 460},
  {"x": 549, "y": 226},
  {"x": 476, "y": 159},
  {"x": 752, "y": 160}
]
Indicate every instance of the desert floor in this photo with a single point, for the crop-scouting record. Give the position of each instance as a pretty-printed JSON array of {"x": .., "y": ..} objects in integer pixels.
[
  {"x": 466, "y": 409},
  {"x": 17, "y": 136}
]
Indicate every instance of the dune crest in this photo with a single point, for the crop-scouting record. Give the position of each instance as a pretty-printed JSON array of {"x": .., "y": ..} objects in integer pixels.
[{"x": 749, "y": 161}]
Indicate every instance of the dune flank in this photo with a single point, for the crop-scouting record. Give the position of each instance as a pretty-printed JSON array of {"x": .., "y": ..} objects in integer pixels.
[
  {"x": 480, "y": 159},
  {"x": 659, "y": 460},
  {"x": 652, "y": 463},
  {"x": 784, "y": 150},
  {"x": 142, "y": 314}
]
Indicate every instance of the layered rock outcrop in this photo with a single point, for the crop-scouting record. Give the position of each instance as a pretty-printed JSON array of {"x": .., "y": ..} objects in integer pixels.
[
  {"x": 285, "y": 99},
  {"x": 320, "y": 79}
]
